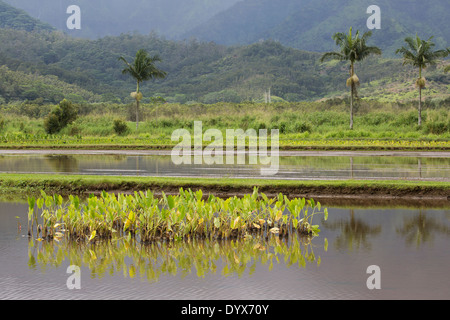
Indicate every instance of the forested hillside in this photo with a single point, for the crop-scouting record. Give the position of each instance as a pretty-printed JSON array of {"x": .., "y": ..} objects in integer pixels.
[
  {"x": 11, "y": 17},
  {"x": 197, "y": 71},
  {"x": 48, "y": 65},
  {"x": 309, "y": 24}
]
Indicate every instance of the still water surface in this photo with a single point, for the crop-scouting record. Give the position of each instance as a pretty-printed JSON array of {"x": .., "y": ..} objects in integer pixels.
[
  {"x": 292, "y": 165},
  {"x": 410, "y": 245}
]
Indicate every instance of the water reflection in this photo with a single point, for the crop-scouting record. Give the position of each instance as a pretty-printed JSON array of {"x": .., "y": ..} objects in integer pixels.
[
  {"x": 62, "y": 163},
  {"x": 224, "y": 269},
  {"x": 421, "y": 229},
  {"x": 150, "y": 261},
  {"x": 291, "y": 167},
  {"x": 354, "y": 233}
]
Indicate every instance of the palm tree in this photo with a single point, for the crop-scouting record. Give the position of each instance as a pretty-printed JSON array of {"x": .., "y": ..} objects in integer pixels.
[
  {"x": 419, "y": 53},
  {"x": 353, "y": 49},
  {"x": 142, "y": 69}
]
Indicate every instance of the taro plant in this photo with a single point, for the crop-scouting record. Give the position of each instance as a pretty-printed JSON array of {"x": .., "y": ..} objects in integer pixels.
[{"x": 187, "y": 215}]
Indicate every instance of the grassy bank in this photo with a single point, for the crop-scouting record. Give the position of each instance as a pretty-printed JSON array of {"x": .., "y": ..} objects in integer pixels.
[
  {"x": 80, "y": 184},
  {"x": 302, "y": 125}
]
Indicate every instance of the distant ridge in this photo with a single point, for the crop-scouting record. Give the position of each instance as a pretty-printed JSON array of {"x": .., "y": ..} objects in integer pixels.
[
  {"x": 13, "y": 18},
  {"x": 309, "y": 24}
]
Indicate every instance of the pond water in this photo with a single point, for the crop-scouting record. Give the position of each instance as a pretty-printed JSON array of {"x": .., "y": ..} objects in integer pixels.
[
  {"x": 292, "y": 165},
  {"x": 410, "y": 246}
]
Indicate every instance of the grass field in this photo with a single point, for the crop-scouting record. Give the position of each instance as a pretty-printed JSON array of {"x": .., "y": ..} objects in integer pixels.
[
  {"x": 305, "y": 125},
  {"x": 81, "y": 184}
]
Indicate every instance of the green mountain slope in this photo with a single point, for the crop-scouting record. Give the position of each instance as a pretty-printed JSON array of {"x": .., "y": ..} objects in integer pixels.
[
  {"x": 309, "y": 24},
  {"x": 204, "y": 72},
  {"x": 11, "y": 17},
  {"x": 50, "y": 65}
]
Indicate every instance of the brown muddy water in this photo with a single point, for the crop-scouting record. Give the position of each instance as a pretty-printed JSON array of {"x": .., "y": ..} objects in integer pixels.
[
  {"x": 409, "y": 245},
  {"x": 292, "y": 165}
]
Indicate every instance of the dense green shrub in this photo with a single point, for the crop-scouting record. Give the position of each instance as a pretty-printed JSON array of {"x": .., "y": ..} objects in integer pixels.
[
  {"x": 51, "y": 124},
  {"x": 2, "y": 123},
  {"x": 61, "y": 116},
  {"x": 406, "y": 119},
  {"x": 120, "y": 127},
  {"x": 301, "y": 126},
  {"x": 438, "y": 127}
]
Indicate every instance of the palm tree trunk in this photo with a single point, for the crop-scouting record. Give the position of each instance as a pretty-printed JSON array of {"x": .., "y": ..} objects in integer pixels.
[
  {"x": 351, "y": 109},
  {"x": 420, "y": 97},
  {"x": 137, "y": 106},
  {"x": 137, "y": 114},
  {"x": 420, "y": 106},
  {"x": 352, "y": 71}
]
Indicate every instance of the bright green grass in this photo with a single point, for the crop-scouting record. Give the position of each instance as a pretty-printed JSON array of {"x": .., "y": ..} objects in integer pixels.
[
  {"x": 67, "y": 184},
  {"x": 301, "y": 126}
]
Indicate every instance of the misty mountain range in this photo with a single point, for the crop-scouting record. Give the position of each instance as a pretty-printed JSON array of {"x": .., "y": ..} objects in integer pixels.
[
  {"x": 301, "y": 24},
  {"x": 38, "y": 65}
]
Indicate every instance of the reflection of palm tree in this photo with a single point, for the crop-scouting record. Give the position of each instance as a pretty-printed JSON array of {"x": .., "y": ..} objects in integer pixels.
[
  {"x": 354, "y": 233},
  {"x": 63, "y": 163},
  {"x": 421, "y": 229}
]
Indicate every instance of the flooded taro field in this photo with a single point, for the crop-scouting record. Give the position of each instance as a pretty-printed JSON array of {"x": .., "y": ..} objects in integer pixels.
[
  {"x": 292, "y": 165},
  {"x": 407, "y": 243}
]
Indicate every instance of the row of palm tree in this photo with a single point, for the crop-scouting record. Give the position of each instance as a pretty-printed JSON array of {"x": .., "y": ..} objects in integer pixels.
[
  {"x": 353, "y": 48},
  {"x": 418, "y": 53}
]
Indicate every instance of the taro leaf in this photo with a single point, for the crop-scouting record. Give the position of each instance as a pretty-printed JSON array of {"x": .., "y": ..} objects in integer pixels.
[
  {"x": 92, "y": 235},
  {"x": 31, "y": 202},
  {"x": 217, "y": 223},
  {"x": 171, "y": 202},
  {"x": 266, "y": 200},
  {"x": 234, "y": 223},
  {"x": 295, "y": 223},
  {"x": 279, "y": 215},
  {"x": 76, "y": 202},
  {"x": 40, "y": 203},
  {"x": 59, "y": 200}
]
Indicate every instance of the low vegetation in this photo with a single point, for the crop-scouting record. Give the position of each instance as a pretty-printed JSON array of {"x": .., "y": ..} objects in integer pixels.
[
  {"x": 321, "y": 125},
  {"x": 183, "y": 216},
  {"x": 32, "y": 184}
]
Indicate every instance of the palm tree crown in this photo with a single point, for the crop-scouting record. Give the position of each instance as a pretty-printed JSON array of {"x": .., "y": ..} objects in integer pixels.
[
  {"x": 143, "y": 68},
  {"x": 352, "y": 48},
  {"x": 419, "y": 53}
]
